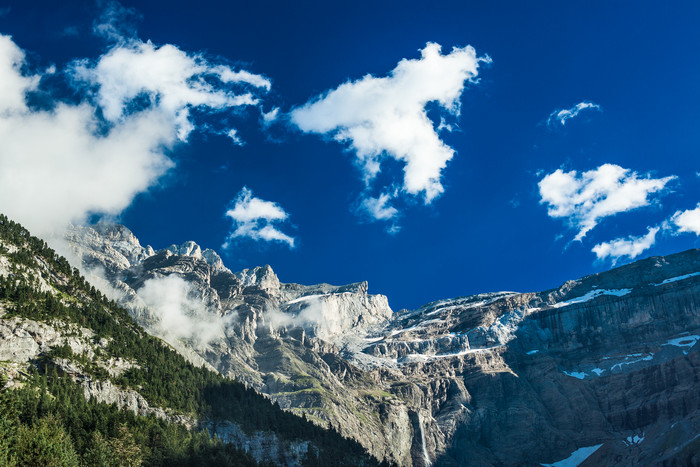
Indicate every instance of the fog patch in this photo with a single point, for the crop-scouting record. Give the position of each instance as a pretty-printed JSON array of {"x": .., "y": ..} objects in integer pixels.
[
  {"x": 177, "y": 313},
  {"x": 322, "y": 317}
]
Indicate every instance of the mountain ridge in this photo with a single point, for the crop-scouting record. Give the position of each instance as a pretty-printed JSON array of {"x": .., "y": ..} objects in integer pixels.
[
  {"x": 79, "y": 374},
  {"x": 417, "y": 380}
]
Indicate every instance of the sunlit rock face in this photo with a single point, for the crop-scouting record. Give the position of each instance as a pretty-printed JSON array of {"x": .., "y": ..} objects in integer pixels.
[{"x": 605, "y": 367}]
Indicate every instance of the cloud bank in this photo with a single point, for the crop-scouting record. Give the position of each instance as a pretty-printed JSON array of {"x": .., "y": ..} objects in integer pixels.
[
  {"x": 585, "y": 199},
  {"x": 385, "y": 117},
  {"x": 561, "y": 116},
  {"x": 257, "y": 219},
  {"x": 65, "y": 161},
  {"x": 629, "y": 247}
]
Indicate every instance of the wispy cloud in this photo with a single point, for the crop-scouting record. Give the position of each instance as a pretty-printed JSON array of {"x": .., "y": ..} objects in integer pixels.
[
  {"x": 385, "y": 117},
  {"x": 168, "y": 79},
  {"x": 629, "y": 247},
  {"x": 687, "y": 221},
  {"x": 268, "y": 118},
  {"x": 257, "y": 219},
  {"x": 379, "y": 208},
  {"x": 65, "y": 161},
  {"x": 587, "y": 198},
  {"x": 233, "y": 136},
  {"x": 561, "y": 116},
  {"x": 177, "y": 312}
]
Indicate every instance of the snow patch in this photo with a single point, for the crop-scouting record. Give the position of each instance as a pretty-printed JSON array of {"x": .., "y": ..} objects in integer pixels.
[
  {"x": 532, "y": 352},
  {"x": 598, "y": 371},
  {"x": 636, "y": 439},
  {"x": 576, "y": 458},
  {"x": 419, "y": 326},
  {"x": 575, "y": 374},
  {"x": 423, "y": 357},
  {"x": 685, "y": 341},
  {"x": 305, "y": 298},
  {"x": 630, "y": 362},
  {"x": 591, "y": 295},
  {"x": 677, "y": 278},
  {"x": 453, "y": 307}
]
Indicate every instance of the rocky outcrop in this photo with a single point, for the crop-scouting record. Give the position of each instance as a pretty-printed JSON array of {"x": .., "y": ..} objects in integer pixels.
[
  {"x": 23, "y": 340},
  {"x": 605, "y": 366},
  {"x": 264, "y": 447}
]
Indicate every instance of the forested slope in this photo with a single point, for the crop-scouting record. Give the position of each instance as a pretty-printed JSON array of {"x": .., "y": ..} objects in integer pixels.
[{"x": 84, "y": 344}]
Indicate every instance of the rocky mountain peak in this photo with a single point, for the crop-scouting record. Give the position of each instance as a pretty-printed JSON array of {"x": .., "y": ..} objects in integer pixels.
[
  {"x": 190, "y": 248},
  {"x": 262, "y": 277},
  {"x": 111, "y": 246},
  {"x": 457, "y": 380}
]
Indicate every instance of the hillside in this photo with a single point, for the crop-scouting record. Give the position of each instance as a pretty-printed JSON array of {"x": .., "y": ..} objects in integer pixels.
[{"x": 83, "y": 384}]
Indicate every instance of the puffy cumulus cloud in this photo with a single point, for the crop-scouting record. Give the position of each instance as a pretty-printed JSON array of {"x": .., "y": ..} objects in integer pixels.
[
  {"x": 257, "y": 219},
  {"x": 176, "y": 311},
  {"x": 66, "y": 161},
  {"x": 687, "y": 221},
  {"x": 15, "y": 84},
  {"x": 56, "y": 167},
  {"x": 169, "y": 79},
  {"x": 386, "y": 117},
  {"x": 587, "y": 198},
  {"x": 629, "y": 247},
  {"x": 561, "y": 116}
]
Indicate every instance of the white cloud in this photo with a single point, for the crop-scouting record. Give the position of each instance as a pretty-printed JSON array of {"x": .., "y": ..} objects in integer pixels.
[
  {"x": 587, "y": 198},
  {"x": 61, "y": 164},
  {"x": 178, "y": 313},
  {"x": 268, "y": 118},
  {"x": 561, "y": 116},
  {"x": 169, "y": 79},
  {"x": 233, "y": 135},
  {"x": 688, "y": 221},
  {"x": 227, "y": 75},
  {"x": 15, "y": 84},
  {"x": 629, "y": 247},
  {"x": 117, "y": 22},
  {"x": 386, "y": 117},
  {"x": 257, "y": 219},
  {"x": 379, "y": 208}
]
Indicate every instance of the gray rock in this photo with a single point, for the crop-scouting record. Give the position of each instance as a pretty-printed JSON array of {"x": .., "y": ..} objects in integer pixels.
[{"x": 492, "y": 379}]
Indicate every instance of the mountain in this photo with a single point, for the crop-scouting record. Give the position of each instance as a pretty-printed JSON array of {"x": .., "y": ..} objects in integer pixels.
[
  {"x": 81, "y": 383},
  {"x": 604, "y": 368}
]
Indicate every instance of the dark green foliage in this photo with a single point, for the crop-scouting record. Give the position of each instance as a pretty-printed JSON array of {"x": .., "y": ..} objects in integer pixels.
[
  {"x": 163, "y": 377},
  {"x": 49, "y": 422}
]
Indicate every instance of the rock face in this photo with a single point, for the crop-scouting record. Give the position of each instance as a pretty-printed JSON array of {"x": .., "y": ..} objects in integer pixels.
[
  {"x": 606, "y": 366},
  {"x": 79, "y": 353}
]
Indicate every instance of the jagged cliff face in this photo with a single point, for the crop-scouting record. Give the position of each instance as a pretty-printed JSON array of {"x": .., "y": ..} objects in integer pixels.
[
  {"x": 605, "y": 366},
  {"x": 27, "y": 345}
]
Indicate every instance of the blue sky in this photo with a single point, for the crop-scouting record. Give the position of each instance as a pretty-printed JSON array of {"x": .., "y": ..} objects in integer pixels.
[{"x": 573, "y": 146}]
